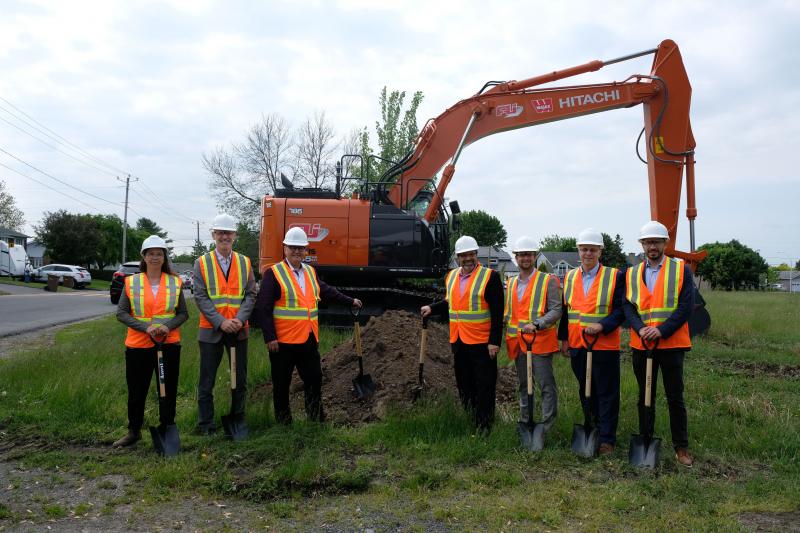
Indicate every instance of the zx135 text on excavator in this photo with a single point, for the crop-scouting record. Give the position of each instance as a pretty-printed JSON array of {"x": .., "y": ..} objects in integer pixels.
[{"x": 398, "y": 226}]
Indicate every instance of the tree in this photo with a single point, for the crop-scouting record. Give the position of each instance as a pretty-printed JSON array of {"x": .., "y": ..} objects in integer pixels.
[
  {"x": 314, "y": 151},
  {"x": 613, "y": 256},
  {"x": 487, "y": 229},
  {"x": 150, "y": 227},
  {"x": 110, "y": 247},
  {"x": 240, "y": 176},
  {"x": 731, "y": 266},
  {"x": 797, "y": 265},
  {"x": 783, "y": 267},
  {"x": 199, "y": 249},
  {"x": 395, "y": 136},
  {"x": 11, "y": 216},
  {"x": 555, "y": 243},
  {"x": 247, "y": 242},
  {"x": 68, "y": 238}
]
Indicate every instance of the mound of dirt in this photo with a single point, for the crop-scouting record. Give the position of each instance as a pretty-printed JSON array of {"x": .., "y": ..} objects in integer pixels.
[{"x": 391, "y": 345}]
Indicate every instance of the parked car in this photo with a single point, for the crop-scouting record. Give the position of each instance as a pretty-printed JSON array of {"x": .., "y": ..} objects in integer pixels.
[
  {"x": 118, "y": 279},
  {"x": 80, "y": 275},
  {"x": 187, "y": 277}
]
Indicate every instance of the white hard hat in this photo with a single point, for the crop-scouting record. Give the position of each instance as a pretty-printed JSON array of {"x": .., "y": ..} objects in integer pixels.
[
  {"x": 590, "y": 236},
  {"x": 525, "y": 244},
  {"x": 224, "y": 222},
  {"x": 154, "y": 241},
  {"x": 295, "y": 237},
  {"x": 466, "y": 244},
  {"x": 654, "y": 230}
]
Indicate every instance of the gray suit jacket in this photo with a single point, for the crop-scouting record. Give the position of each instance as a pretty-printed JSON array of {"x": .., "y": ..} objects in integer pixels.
[{"x": 206, "y": 306}]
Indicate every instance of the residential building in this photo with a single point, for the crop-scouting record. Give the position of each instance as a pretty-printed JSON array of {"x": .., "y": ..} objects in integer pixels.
[
  {"x": 789, "y": 280},
  {"x": 559, "y": 263},
  {"x": 13, "y": 238}
]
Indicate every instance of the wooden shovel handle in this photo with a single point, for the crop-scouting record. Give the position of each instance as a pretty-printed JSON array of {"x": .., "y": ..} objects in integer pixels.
[
  {"x": 648, "y": 382},
  {"x": 233, "y": 366},
  {"x": 588, "y": 389},
  {"x": 357, "y": 337},
  {"x": 162, "y": 387}
]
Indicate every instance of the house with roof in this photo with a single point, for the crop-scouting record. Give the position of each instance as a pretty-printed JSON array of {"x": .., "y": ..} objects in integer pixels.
[
  {"x": 13, "y": 238},
  {"x": 789, "y": 280},
  {"x": 495, "y": 258},
  {"x": 559, "y": 263}
]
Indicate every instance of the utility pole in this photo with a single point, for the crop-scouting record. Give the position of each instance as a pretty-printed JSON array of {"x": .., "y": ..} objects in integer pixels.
[
  {"x": 198, "y": 230},
  {"x": 125, "y": 219}
]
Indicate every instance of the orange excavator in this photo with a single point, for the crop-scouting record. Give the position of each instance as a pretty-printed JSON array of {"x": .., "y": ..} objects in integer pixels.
[{"x": 398, "y": 226}]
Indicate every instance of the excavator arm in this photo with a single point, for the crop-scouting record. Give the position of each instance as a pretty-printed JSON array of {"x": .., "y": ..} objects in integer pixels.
[{"x": 665, "y": 95}]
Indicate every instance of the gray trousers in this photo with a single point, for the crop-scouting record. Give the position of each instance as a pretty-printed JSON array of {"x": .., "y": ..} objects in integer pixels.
[
  {"x": 543, "y": 377},
  {"x": 210, "y": 357}
]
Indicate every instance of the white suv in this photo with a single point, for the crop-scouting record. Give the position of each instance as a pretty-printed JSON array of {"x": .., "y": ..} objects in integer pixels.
[{"x": 79, "y": 274}]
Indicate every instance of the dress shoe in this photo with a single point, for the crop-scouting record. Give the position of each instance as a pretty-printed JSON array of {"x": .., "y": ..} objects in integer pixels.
[
  {"x": 683, "y": 457},
  {"x": 605, "y": 449},
  {"x": 131, "y": 438}
]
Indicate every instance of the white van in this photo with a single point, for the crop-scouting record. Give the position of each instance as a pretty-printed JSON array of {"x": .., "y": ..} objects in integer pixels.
[{"x": 12, "y": 260}]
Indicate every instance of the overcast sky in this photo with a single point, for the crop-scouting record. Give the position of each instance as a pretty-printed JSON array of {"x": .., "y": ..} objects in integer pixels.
[{"x": 147, "y": 87}]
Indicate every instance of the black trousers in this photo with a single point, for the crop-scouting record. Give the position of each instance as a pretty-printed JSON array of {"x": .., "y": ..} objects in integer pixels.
[
  {"x": 671, "y": 364},
  {"x": 476, "y": 379},
  {"x": 307, "y": 360},
  {"x": 140, "y": 365},
  {"x": 603, "y": 404}
]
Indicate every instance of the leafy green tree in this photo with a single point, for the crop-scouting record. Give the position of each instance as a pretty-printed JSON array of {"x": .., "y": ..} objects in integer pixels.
[
  {"x": 11, "y": 216},
  {"x": 487, "y": 229},
  {"x": 613, "y": 256},
  {"x": 783, "y": 267},
  {"x": 731, "y": 266},
  {"x": 70, "y": 238},
  {"x": 247, "y": 242},
  {"x": 110, "y": 247},
  {"x": 150, "y": 227},
  {"x": 395, "y": 136},
  {"x": 797, "y": 265},
  {"x": 199, "y": 249},
  {"x": 555, "y": 243}
]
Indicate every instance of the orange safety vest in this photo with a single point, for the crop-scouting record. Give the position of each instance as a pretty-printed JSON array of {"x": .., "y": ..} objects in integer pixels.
[
  {"x": 584, "y": 309},
  {"x": 149, "y": 310},
  {"x": 656, "y": 307},
  {"x": 225, "y": 294},
  {"x": 470, "y": 319},
  {"x": 519, "y": 313},
  {"x": 295, "y": 312}
]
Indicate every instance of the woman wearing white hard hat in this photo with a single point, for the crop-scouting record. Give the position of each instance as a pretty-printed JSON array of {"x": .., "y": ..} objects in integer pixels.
[{"x": 153, "y": 308}]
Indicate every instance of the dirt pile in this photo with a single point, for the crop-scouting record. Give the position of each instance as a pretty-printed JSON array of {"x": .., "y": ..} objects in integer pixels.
[{"x": 391, "y": 345}]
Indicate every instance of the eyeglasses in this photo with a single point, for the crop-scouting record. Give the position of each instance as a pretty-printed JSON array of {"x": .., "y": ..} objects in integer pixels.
[
  {"x": 525, "y": 254},
  {"x": 295, "y": 248}
]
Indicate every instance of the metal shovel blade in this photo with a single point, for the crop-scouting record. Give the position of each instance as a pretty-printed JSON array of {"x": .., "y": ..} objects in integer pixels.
[
  {"x": 585, "y": 440},
  {"x": 644, "y": 451},
  {"x": 531, "y": 436},
  {"x": 234, "y": 428},
  {"x": 166, "y": 440},
  {"x": 363, "y": 386}
]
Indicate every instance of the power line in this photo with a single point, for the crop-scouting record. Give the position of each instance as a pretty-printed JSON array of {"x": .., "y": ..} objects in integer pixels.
[
  {"x": 48, "y": 186},
  {"x": 56, "y": 137},
  {"x": 168, "y": 207},
  {"x": 57, "y": 179},
  {"x": 57, "y": 149}
]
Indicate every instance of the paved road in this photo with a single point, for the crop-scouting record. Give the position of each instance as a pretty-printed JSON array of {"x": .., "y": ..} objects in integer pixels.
[{"x": 29, "y": 309}]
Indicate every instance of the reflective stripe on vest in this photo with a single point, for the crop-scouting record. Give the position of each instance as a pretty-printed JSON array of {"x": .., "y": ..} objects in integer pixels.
[
  {"x": 592, "y": 307},
  {"x": 478, "y": 311},
  {"x": 292, "y": 310},
  {"x": 605, "y": 292},
  {"x": 470, "y": 317},
  {"x": 149, "y": 309},
  {"x": 211, "y": 271},
  {"x": 661, "y": 306},
  {"x": 656, "y": 307},
  {"x": 295, "y": 313},
  {"x": 537, "y": 285}
]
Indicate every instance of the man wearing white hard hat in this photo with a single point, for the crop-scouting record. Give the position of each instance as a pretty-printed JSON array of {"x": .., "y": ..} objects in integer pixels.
[
  {"x": 287, "y": 308},
  {"x": 153, "y": 307},
  {"x": 474, "y": 302},
  {"x": 593, "y": 299},
  {"x": 659, "y": 300},
  {"x": 225, "y": 293},
  {"x": 533, "y": 302}
]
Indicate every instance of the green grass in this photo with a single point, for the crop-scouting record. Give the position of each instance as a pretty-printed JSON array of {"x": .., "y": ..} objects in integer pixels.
[{"x": 426, "y": 468}]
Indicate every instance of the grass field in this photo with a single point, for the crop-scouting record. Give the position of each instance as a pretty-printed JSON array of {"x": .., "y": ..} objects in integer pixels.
[{"x": 426, "y": 469}]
